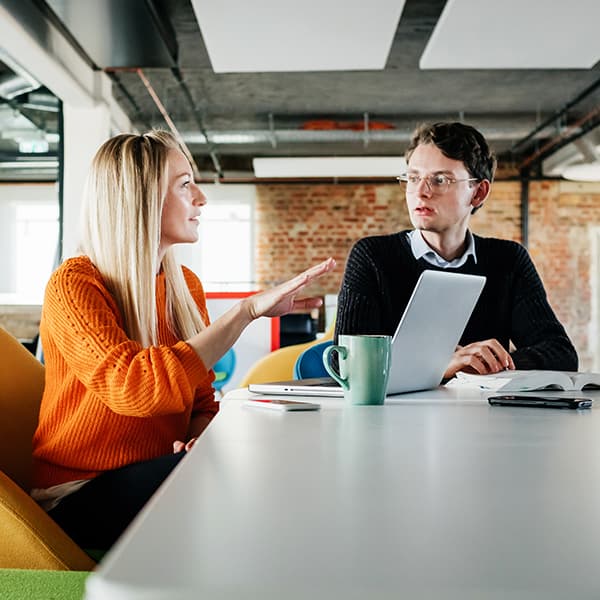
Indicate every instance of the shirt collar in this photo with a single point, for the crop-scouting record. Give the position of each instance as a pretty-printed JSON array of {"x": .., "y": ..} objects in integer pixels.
[{"x": 421, "y": 249}]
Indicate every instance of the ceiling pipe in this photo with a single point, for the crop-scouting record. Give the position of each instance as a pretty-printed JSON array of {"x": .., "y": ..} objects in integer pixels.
[
  {"x": 169, "y": 121},
  {"x": 290, "y": 131},
  {"x": 212, "y": 149},
  {"x": 569, "y": 135},
  {"x": 557, "y": 114},
  {"x": 586, "y": 149},
  {"x": 272, "y": 131}
]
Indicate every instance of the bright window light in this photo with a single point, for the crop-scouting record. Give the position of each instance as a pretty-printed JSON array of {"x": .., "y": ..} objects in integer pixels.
[
  {"x": 223, "y": 257},
  {"x": 29, "y": 246},
  {"x": 33, "y": 146}
]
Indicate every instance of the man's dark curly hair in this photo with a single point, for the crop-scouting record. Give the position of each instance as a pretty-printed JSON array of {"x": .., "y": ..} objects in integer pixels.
[{"x": 459, "y": 142}]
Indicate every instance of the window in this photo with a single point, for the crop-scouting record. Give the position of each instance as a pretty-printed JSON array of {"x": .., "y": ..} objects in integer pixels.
[
  {"x": 29, "y": 229},
  {"x": 223, "y": 257}
]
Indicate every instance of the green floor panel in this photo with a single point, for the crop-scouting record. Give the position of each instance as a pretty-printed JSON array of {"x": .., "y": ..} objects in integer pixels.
[{"x": 25, "y": 584}]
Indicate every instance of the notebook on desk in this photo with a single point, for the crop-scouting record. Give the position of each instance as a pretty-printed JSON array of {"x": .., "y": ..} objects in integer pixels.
[{"x": 425, "y": 339}]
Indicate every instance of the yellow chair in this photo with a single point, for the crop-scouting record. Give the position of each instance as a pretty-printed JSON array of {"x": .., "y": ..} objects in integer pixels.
[
  {"x": 279, "y": 364},
  {"x": 32, "y": 540}
]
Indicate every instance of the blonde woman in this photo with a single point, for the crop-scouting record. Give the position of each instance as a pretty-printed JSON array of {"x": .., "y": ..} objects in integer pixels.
[{"x": 127, "y": 342}]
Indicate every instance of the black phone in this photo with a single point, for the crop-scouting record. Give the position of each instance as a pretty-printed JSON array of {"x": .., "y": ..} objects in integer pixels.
[{"x": 541, "y": 401}]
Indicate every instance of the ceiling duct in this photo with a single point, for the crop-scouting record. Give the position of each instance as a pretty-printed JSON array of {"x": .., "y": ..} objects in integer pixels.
[
  {"x": 135, "y": 34},
  {"x": 43, "y": 101},
  {"x": 578, "y": 161},
  {"x": 589, "y": 169},
  {"x": 16, "y": 80},
  {"x": 398, "y": 131},
  {"x": 12, "y": 86}
]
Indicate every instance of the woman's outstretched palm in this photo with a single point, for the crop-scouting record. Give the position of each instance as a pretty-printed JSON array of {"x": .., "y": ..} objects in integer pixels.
[{"x": 282, "y": 298}]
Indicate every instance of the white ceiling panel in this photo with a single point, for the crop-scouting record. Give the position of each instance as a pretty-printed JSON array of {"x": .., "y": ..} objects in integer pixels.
[
  {"x": 307, "y": 35},
  {"x": 515, "y": 34}
]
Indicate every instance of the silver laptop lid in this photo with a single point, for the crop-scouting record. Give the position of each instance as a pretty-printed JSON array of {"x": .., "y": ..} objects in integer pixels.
[{"x": 430, "y": 328}]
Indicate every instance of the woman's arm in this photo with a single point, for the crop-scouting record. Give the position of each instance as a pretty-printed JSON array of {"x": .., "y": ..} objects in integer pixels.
[{"x": 211, "y": 343}]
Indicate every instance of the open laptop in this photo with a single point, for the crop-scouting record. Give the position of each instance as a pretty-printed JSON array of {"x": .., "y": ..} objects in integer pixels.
[{"x": 425, "y": 339}]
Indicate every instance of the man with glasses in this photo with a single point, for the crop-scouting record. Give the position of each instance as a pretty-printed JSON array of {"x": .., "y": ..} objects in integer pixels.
[{"x": 449, "y": 177}]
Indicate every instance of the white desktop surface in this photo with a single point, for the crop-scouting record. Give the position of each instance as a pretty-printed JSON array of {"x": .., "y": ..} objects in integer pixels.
[{"x": 433, "y": 495}]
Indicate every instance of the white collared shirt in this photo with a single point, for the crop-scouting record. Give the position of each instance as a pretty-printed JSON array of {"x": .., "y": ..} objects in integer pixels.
[{"x": 421, "y": 249}]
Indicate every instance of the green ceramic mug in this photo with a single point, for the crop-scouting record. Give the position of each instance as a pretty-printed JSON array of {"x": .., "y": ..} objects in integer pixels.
[{"x": 364, "y": 363}]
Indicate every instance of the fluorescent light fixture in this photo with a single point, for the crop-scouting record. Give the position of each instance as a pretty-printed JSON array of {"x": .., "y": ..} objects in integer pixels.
[
  {"x": 311, "y": 35},
  {"x": 30, "y": 164},
  {"x": 536, "y": 34},
  {"x": 329, "y": 166},
  {"x": 583, "y": 172}
]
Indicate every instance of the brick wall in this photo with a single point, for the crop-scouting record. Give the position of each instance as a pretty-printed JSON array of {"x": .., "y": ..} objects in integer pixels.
[
  {"x": 299, "y": 224},
  {"x": 564, "y": 221}
]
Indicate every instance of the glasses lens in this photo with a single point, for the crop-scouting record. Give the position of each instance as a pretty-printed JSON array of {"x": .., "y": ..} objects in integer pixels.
[
  {"x": 438, "y": 183},
  {"x": 411, "y": 181}
]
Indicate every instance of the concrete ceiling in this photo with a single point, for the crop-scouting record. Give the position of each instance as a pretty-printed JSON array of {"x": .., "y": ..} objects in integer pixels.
[{"x": 226, "y": 119}]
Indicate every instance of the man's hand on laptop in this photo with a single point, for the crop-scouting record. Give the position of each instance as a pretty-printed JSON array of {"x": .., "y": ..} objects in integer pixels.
[{"x": 488, "y": 356}]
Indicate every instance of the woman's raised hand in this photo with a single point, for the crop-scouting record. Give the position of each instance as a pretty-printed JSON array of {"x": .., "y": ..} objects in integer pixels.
[{"x": 282, "y": 299}]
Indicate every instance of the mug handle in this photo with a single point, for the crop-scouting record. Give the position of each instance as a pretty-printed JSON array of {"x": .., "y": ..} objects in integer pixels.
[{"x": 343, "y": 353}]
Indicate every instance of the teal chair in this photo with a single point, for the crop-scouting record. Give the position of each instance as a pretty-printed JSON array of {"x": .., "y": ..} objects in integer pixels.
[
  {"x": 310, "y": 362},
  {"x": 224, "y": 369}
]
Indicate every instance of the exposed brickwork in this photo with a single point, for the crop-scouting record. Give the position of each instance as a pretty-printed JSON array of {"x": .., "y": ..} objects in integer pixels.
[
  {"x": 500, "y": 216},
  {"x": 299, "y": 224},
  {"x": 563, "y": 219}
]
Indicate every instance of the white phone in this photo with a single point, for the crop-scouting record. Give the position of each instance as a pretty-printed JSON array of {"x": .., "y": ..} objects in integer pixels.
[{"x": 276, "y": 404}]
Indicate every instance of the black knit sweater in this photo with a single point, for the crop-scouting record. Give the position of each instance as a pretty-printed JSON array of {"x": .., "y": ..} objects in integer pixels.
[{"x": 382, "y": 271}]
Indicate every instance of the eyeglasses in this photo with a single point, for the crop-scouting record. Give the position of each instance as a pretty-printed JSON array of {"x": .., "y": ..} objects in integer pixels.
[{"x": 437, "y": 184}]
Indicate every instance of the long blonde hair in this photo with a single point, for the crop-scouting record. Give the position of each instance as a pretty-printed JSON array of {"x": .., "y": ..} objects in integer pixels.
[{"x": 121, "y": 229}]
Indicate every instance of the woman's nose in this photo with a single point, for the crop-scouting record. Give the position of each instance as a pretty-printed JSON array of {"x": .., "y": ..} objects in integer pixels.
[{"x": 199, "y": 197}]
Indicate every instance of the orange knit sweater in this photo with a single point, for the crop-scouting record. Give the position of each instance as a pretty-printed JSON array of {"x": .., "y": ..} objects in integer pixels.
[{"x": 108, "y": 401}]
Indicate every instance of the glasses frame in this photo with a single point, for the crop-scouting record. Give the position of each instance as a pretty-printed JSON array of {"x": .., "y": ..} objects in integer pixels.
[{"x": 427, "y": 179}]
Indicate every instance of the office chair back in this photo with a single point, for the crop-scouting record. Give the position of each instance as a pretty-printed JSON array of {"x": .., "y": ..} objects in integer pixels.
[
  {"x": 224, "y": 369},
  {"x": 279, "y": 364},
  {"x": 32, "y": 539},
  {"x": 310, "y": 362},
  {"x": 21, "y": 387}
]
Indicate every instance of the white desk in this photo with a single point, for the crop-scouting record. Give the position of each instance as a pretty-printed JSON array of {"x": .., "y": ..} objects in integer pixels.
[{"x": 429, "y": 496}]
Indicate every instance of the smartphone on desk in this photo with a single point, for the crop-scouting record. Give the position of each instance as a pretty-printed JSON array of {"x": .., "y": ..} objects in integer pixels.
[
  {"x": 540, "y": 401},
  {"x": 276, "y": 404}
]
